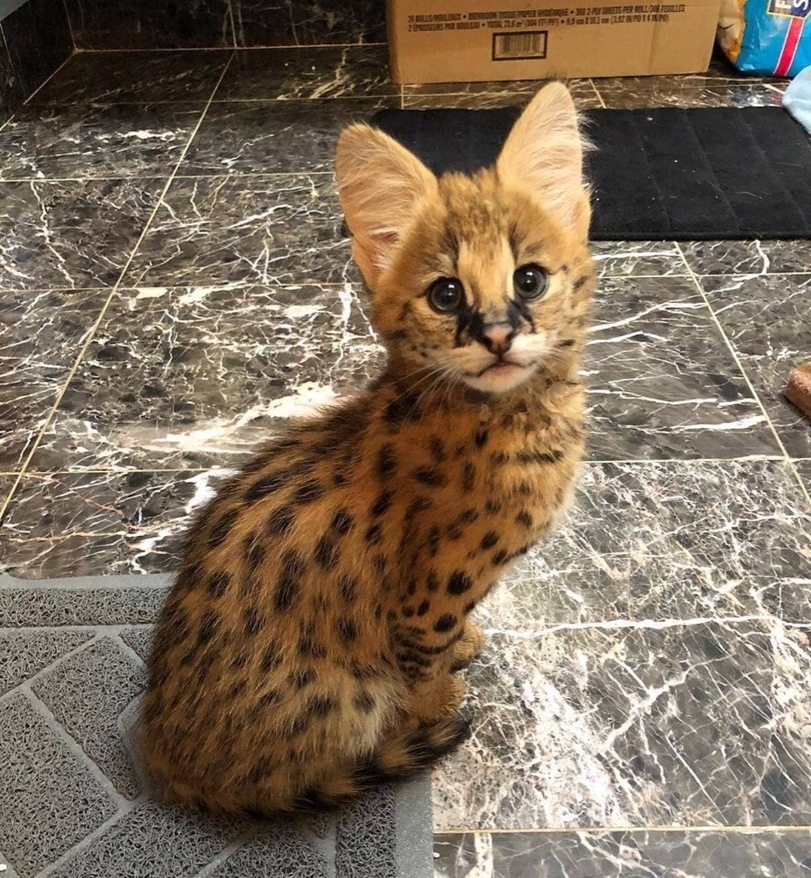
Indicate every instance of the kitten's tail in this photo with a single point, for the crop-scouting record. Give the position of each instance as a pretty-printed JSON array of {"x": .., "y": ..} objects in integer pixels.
[{"x": 398, "y": 757}]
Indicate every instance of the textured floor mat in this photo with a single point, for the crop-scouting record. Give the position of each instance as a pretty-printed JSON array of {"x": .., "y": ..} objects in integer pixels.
[
  {"x": 658, "y": 174},
  {"x": 72, "y": 798}
]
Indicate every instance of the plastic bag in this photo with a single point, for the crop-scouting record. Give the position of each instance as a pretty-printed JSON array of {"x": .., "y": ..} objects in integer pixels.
[{"x": 767, "y": 37}]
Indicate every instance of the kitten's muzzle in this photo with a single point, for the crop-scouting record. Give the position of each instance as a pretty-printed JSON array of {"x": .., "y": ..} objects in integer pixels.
[{"x": 497, "y": 337}]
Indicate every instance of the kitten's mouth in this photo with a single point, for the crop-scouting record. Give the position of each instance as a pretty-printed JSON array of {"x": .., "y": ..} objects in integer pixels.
[{"x": 500, "y": 367}]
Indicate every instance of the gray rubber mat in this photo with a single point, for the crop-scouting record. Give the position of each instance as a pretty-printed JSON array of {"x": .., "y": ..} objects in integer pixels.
[{"x": 72, "y": 799}]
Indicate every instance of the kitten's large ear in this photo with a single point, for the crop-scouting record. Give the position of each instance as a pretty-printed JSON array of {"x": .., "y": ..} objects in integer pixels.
[
  {"x": 380, "y": 184},
  {"x": 544, "y": 155}
]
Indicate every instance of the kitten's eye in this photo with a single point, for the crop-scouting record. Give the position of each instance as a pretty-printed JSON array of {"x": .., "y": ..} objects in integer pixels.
[
  {"x": 530, "y": 282},
  {"x": 446, "y": 295}
]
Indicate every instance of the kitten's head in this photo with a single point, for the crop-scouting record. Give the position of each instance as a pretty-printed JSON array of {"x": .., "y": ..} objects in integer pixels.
[{"x": 483, "y": 280}]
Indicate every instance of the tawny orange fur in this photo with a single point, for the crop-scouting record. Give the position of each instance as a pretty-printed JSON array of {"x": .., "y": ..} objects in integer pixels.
[{"x": 309, "y": 645}]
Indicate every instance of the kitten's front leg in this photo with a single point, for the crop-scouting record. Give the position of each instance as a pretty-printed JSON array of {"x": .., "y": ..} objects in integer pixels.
[{"x": 469, "y": 647}]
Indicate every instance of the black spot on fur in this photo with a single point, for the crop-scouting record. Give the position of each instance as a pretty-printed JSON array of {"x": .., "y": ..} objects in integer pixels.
[
  {"x": 489, "y": 540},
  {"x": 423, "y": 608},
  {"x": 469, "y": 607},
  {"x": 270, "y": 658},
  {"x": 326, "y": 552},
  {"x": 254, "y": 551},
  {"x": 433, "y": 540},
  {"x": 217, "y": 585},
  {"x": 342, "y": 522},
  {"x": 529, "y": 457},
  {"x": 403, "y": 407},
  {"x": 382, "y": 503},
  {"x": 348, "y": 586},
  {"x": 417, "y": 505},
  {"x": 208, "y": 627},
  {"x": 445, "y": 622},
  {"x": 347, "y": 630},
  {"x": 492, "y": 507},
  {"x": 308, "y": 647},
  {"x": 281, "y": 520},
  {"x": 431, "y": 476},
  {"x": 374, "y": 535},
  {"x": 481, "y": 437},
  {"x": 580, "y": 283},
  {"x": 309, "y": 492},
  {"x": 437, "y": 448},
  {"x": 386, "y": 461},
  {"x": 566, "y": 343},
  {"x": 459, "y": 582},
  {"x": 454, "y": 531},
  {"x": 408, "y": 612},
  {"x": 500, "y": 557},
  {"x": 301, "y": 678},
  {"x": 499, "y": 458},
  {"x": 239, "y": 660},
  {"x": 253, "y": 621},
  {"x": 468, "y": 477},
  {"x": 222, "y": 528},
  {"x": 432, "y": 581},
  {"x": 379, "y": 563},
  {"x": 287, "y": 588},
  {"x": 524, "y": 518},
  {"x": 321, "y": 705},
  {"x": 266, "y": 485},
  {"x": 364, "y": 702}
]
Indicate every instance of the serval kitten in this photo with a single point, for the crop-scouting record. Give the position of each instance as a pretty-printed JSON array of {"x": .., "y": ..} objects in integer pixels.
[{"x": 308, "y": 647}]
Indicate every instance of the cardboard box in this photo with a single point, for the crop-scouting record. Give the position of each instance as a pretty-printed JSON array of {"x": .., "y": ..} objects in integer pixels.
[{"x": 476, "y": 40}]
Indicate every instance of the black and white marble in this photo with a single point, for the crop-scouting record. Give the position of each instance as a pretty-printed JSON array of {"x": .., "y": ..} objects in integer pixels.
[
  {"x": 803, "y": 468},
  {"x": 189, "y": 378},
  {"x": 678, "y": 853},
  {"x": 11, "y": 87},
  {"x": 662, "y": 381},
  {"x": 635, "y": 724},
  {"x": 747, "y": 257},
  {"x": 70, "y": 234},
  {"x": 150, "y": 24},
  {"x": 96, "y": 140},
  {"x": 135, "y": 77},
  {"x": 266, "y": 230},
  {"x": 40, "y": 337},
  {"x": 486, "y": 95},
  {"x": 250, "y": 137},
  {"x": 38, "y": 39},
  {"x": 308, "y": 22},
  {"x": 638, "y": 259},
  {"x": 766, "y": 318},
  {"x": 676, "y": 91},
  {"x": 668, "y": 541},
  {"x": 321, "y": 72}
]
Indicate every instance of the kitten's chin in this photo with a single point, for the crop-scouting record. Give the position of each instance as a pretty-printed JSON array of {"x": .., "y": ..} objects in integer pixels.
[{"x": 499, "y": 378}]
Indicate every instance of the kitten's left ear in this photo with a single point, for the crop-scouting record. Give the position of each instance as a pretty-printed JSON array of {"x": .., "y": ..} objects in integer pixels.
[
  {"x": 544, "y": 155},
  {"x": 380, "y": 184}
]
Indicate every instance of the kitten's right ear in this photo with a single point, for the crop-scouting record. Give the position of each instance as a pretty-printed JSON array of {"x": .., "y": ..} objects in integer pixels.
[{"x": 380, "y": 184}]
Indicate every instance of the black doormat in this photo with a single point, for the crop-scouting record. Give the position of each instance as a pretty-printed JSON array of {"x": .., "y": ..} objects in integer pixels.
[{"x": 658, "y": 174}]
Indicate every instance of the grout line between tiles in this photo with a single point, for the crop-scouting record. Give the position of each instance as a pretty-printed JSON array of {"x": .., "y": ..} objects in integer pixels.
[
  {"x": 593, "y": 830},
  {"x": 734, "y": 351},
  {"x": 597, "y": 92},
  {"x": 83, "y": 51},
  {"x": 70, "y": 28},
  {"x": 94, "y": 328},
  {"x": 42, "y": 85}
]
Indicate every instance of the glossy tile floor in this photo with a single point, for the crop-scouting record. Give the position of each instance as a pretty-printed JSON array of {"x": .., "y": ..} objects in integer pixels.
[{"x": 174, "y": 286}]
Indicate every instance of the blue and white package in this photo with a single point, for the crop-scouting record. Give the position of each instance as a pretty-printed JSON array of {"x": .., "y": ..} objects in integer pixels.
[{"x": 766, "y": 37}]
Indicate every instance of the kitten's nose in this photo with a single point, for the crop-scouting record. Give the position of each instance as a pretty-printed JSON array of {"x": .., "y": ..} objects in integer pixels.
[{"x": 498, "y": 337}]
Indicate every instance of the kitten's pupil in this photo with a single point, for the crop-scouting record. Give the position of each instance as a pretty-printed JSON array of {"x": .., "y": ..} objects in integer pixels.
[
  {"x": 529, "y": 281},
  {"x": 446, "y": 295}
]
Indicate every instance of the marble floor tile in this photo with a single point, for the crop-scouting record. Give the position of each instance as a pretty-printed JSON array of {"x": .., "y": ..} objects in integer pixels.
[
  {"x": 135, "y": 77},
  {"x": 11, "y": 86},
  {"x": 70, "y": 234},
  {"x": 767, "y": 319},
  {"x": 193, "y": 377},
  {"x": 665, "y": 91},
  {"x": 659, "y": 541},
  {"x": 703, "y": 724},
  {"x": 486, "y": 95},
  {"x": 95, "y": 140},
  {"x": 271, "y": 230},
  {"x": 40, "y": 337},
  {"x": 321, "y": 72},
  {"x": 747, "y": 257},
  {"x": 309, "y": 23},
  {"x": 39, "y": 41},
  {"x": 75, "y": 524},
  {"x": 629, "y": 854},
  {"x": 662, "y": 382},
  {"x": 638, "y": 258},
  {"x": 251, "y": 137},
  {"x": 150, "y": 24}
]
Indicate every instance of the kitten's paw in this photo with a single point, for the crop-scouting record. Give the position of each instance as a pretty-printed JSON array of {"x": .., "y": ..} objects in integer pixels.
[
  {"x": 440, "y": 698},
  {"x": 468, "y": 648}
]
